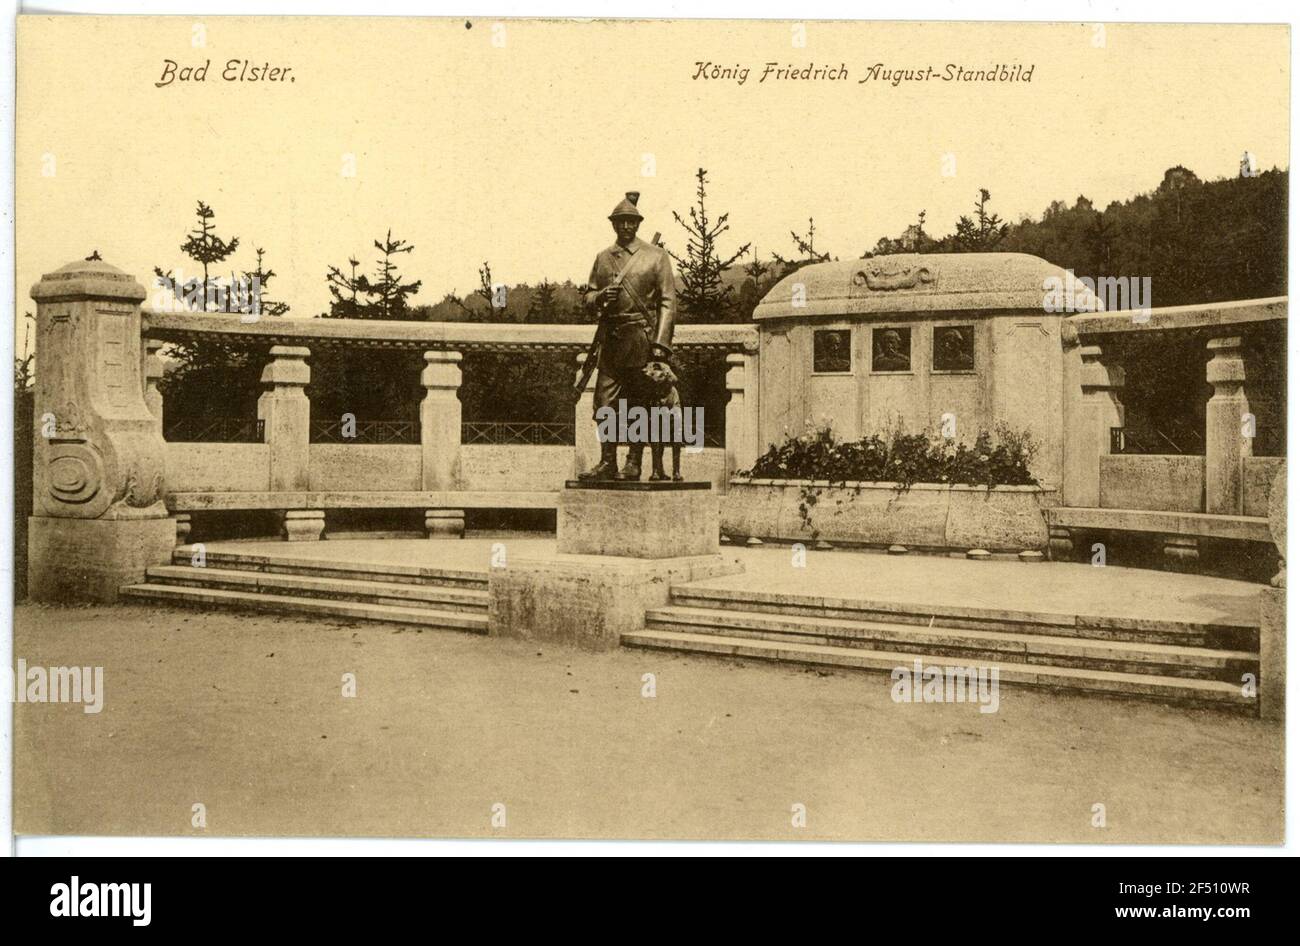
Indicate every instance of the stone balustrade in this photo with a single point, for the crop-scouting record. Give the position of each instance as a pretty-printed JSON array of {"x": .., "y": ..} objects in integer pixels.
[
  {"x": 1199, "y": 494},
  {"x": 111, "y": 496},
  {"x": 109, "y": 485}
]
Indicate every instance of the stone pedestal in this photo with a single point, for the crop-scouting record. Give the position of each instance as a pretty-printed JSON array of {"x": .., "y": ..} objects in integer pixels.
[
  {"x": 637, "y": 520},
  {"x": 98, "y": 460},
  {"x": 1272, "y": 653},
  {"x": 1182, "y": 552},
  {"x": 1272, "y": 613},
  {"x": 620, "y": 547},
  {"x": 444, "y": 523},
  {"x": 588, "y": 601},
  {"x": 1060, "y": 544},
  {"x": 91, "y": 559}
]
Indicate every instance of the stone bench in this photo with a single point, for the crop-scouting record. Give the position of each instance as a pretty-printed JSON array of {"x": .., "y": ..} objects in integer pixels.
[
  {"x": 1182, "y": 531},
  {"x": 303, "y": 512}
]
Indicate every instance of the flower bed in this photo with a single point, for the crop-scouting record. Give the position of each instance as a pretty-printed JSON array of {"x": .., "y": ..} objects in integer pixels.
[
  {"x": 908, "y": 489},
  {"x": 925, "y": 516}
]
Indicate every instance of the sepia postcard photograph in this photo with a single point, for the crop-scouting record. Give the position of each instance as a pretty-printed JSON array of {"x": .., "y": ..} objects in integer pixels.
[{"x": 512, "y": 428}]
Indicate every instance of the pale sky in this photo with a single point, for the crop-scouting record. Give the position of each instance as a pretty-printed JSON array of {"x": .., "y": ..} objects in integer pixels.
[{"x": 516, "y": 153}]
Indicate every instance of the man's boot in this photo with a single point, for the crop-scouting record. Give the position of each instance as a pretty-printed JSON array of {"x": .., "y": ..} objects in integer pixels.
[
  {"x": 607, "y": 468},
  {"x": 632, "y": 468}
]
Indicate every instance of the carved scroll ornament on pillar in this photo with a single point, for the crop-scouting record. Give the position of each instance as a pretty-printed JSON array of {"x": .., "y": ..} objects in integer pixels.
[{"x": 98, "y": 451}]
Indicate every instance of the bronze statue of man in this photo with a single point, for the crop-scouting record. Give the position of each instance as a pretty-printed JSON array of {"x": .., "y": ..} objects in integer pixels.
[{"x": 631, "y": 286}]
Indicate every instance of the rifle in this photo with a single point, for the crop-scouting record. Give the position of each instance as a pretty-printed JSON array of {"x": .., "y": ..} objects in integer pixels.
[{"x": 593, "y": 350}]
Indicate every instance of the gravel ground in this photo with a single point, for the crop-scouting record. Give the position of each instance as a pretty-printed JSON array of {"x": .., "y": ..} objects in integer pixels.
[{"x": 244, "y": 714}]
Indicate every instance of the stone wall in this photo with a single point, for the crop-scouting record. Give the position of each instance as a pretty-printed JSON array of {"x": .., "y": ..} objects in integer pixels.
[
  {"x": 355, "y": 466},
  {"x": 505, "y": 467},
  {"x": 1258, "y": 481},
  {"x": 492, "y": 466},
  {"x": 217, "y": 467},
  {"x": 1166, "y": 483}
]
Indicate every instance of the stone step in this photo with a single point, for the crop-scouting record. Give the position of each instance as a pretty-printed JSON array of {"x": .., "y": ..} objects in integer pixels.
[
  {"x": 1146, "y": 686},
  {"x": 1095, "y": 627},
  {"x": 343, "y": 610},
  {"x": 358, "y": 571},
  {"x": 1002, "y": 646},
  {"x": 441, "y": 597}
]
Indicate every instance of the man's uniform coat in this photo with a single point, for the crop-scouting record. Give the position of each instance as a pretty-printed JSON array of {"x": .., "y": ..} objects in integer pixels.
[{"x": 632, "y": 327}]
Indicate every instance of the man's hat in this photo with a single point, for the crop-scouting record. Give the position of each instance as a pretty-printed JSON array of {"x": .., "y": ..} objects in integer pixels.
[{"x": 627, "y": 206}]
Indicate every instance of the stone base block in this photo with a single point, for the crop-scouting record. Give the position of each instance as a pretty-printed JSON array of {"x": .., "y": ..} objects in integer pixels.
[
  {"x": 302, "y": 525},
  {"x": 445, "y": 523},
  {"x": 1181, "y": 552},
  {"x": 637, "y": 520},
  {"x": 91, "y": 559},
  {"x": 1272, "y": 654},
  {"x": 1060, "y": 544},
  {"x": 588, "y": 601}
]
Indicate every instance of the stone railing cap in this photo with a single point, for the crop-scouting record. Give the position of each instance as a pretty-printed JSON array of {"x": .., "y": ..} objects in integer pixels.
[{"x": 456, "y": 336}]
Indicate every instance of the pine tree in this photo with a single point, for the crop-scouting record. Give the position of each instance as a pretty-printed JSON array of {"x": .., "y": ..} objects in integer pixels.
[
  {"x": 703, "y": 297},
  {"x": 257, "y": 282},
  {"x": 25, "y": 367},
  {"x": 806, "y": 245},
  {"x": 544, "y": 307},
  {"x": 488, "y": 293},
  {"x": 984, "y": 233},
  {"x": 204, "y": 247},
  {"x": 389, "y": 292},
  {"x": 385, "y": 296},
  {"x": 345, "y": 289}
]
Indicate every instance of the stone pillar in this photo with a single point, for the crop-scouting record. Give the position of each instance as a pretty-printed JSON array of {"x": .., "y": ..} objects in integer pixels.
[
  {"x": 99, "y": 519},
  {"x": 1092, "y": 408},
  {"x": 440, "y": 421},
  {"x": 184, "y": 525},
  {"x": 285, "y": 413},
  {"x": 1225, "y": 416},
  {"x": 153, "y": 372},
  {"x": 586, "y": 445},
  {"x": 742, "y": 411}
]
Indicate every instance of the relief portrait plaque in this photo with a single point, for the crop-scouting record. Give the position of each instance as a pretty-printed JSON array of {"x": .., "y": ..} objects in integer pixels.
[
  {"x": 891, "y": 349},
  {"x": 954, "y": 348},
  {"x": 832, "y": 351}
]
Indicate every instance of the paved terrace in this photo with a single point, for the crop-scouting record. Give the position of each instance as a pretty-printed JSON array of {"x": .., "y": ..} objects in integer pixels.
[{"x": 1057, "y": 588}]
